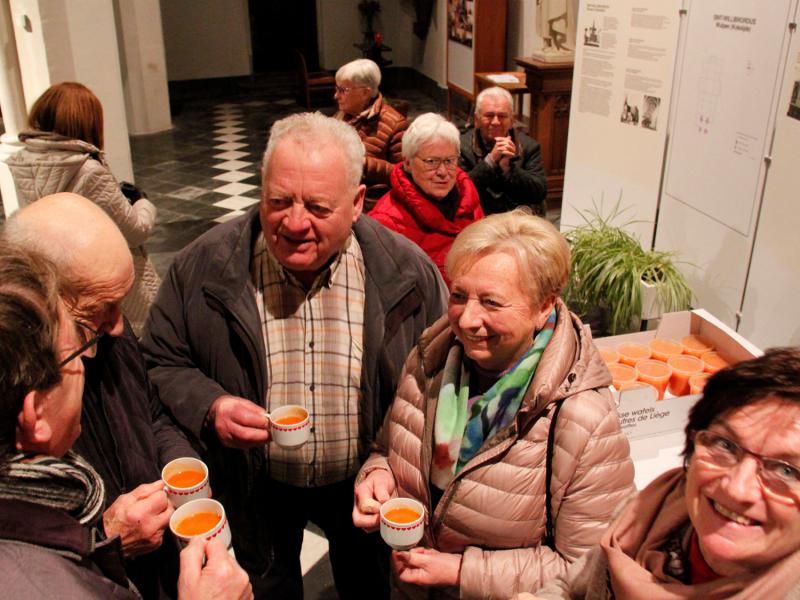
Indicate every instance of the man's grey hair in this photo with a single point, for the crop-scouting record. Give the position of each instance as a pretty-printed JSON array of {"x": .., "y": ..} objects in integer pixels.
[
  {"x": 429, "y": 127},
  {"x": 312, "y": 131},
  {"x": 361, "y": 71},
  {"x": 493, "y": 92}
]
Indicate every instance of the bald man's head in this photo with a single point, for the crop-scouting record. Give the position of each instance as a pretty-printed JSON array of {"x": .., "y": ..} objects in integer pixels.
[{"x": 94, "y": 262}]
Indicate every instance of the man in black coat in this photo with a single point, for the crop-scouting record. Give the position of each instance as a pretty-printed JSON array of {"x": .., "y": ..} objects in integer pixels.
[
  {"x": 504, "y": 164},
  {"x": 126, "y": 433}
]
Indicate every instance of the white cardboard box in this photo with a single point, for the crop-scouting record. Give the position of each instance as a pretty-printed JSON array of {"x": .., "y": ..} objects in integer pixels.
[{"x": 655, "y": 429}]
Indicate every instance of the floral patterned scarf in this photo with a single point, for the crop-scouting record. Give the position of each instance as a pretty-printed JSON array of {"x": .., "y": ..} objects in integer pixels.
[{"x": 462, "y": 423}]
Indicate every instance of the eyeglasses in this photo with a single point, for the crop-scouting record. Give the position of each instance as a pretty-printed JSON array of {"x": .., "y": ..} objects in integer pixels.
[
  {"x": 489, "y": 116},
  {"x": 779, "y": 477},
  {"x": 344, "y": 90},
  {"x": 431, "y": 164},
  {"x": 95, "y": 337}
]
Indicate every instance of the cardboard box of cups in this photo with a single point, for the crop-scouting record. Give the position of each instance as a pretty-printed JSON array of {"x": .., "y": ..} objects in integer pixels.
[{"x": 658, "y": 375}]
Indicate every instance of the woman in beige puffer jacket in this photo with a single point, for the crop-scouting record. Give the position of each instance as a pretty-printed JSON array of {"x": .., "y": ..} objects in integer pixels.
[
  {"x": 492, "y": 513},
  {"x": 63, "y": 153}
]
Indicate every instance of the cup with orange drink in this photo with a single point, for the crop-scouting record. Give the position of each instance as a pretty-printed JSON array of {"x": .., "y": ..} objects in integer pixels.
[
  {"x": 656, "y": 373},
  {"x": 662, "y": 348},
  {"x": 697, "y": 382},
  {"x": 630, "y": 353},
  {"x": 695, "y": 345},
  {"x": 185, "y": 479},
  {"x": 201, "y": 517},
  {"x": 683, "y": 367},
  {"x": 621, "y": 374},
  {"x": 713, "y": 361},
  {"x": 290, "y": 426},
  {"x": 402, "y": 522}
]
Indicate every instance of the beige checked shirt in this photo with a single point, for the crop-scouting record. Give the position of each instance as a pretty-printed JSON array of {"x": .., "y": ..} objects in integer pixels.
[{"x": 314, "y": 343}]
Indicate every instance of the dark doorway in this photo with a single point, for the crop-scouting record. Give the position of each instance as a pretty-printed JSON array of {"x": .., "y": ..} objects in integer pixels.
[{"x": 278, "y": 26}]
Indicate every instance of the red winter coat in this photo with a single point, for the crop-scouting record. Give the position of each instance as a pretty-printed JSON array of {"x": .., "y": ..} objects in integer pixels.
[{"x": 405, "y": 210}]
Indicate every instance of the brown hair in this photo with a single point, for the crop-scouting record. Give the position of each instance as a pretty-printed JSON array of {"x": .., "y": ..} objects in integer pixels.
[
  {"x": 69, "y": 109},
  {"x": 29, "y": 321},
  {"x": 776, "y": 374}
]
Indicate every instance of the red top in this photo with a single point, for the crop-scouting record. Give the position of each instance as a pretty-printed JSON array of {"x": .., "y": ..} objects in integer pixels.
[
  {"x": 406, "y": 210},
  {"x": 698, "y": 567}
]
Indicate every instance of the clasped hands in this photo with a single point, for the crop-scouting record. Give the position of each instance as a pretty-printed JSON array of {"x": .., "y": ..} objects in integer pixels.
[
  {"x": 418, "y": 566},
  {"x": 502, "y": 151}
]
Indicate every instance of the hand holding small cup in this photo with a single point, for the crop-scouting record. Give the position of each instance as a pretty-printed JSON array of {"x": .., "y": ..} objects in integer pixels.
[
  {"x": 290, "y": 426},
  {"x": 139, "y": 518},
  {"x": 238, "y": 422},
  {"x": 209, "y": 572},
  {"x": 378, "y": 487}
]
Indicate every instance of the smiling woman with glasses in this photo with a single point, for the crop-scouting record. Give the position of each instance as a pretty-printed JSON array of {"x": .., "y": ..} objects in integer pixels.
[
  {"x": 725, "y": 525},
  {"x": 431, "y": 199}
]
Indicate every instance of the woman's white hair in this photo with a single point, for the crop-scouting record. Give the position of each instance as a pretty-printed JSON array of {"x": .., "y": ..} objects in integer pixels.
[
  {"x": 312, "y": 131},
  {"x": 493, "y": 92},
  {"x": 429, "y": 127},
  {"x": 361, "y": 71}
]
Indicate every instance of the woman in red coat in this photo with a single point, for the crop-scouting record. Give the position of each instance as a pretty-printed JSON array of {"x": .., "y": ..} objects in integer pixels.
[{"x": 431, "y": 199}]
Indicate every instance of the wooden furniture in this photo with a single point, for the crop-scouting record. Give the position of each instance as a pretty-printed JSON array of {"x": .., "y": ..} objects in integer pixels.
[
  {"x": 487, "y": 53},
  {"x": 316, "y": 83},
  {"x": 517, "y": 90},
  {"x": 550, "y": 85}
]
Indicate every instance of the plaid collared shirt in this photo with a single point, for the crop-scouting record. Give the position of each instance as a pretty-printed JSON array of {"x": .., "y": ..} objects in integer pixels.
[{"x": 314, "y": 343}]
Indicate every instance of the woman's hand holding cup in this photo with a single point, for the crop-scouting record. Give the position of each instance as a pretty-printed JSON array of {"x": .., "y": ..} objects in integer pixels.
[{"x": 378, "y": 487}]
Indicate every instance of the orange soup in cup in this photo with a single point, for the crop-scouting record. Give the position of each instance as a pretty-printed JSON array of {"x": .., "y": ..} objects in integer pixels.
[
  {"x": 609, "y": 355},
  {"x": 402, "y": 515},
  {"x": 621, "y": 374},
  {"x": 630, "y": 353},
  {"x": 695, "y": 345},
  {"x": 197, "y": 524},
  {"x": 713, "y": 361},
  {"x": 683, "y": 367},
  {"x": 290, "y": 420},
  {"x": 697, "y": 382},
  {"x": 186, "y": 479},
  {"x": 656, "y": 373},
  {"x": 662, "y": 348}
]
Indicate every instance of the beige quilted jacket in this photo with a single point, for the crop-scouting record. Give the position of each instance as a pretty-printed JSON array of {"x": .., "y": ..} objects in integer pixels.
[
  {"x": 50, "y": 163},
  {"x": 493, "y": 511}
]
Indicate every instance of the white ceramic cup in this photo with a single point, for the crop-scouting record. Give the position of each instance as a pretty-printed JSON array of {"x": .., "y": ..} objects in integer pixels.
[
  {"x": 402, "y": 536},
  {"x": 291, "y": 435},
  {"x": 179, "y": 496},
  {"x": 221, "y": 529}
]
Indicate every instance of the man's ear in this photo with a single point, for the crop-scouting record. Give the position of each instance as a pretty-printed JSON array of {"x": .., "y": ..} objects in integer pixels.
[
  {"x": 33, "y": 432},
  {"x": 358, "y": 202}
]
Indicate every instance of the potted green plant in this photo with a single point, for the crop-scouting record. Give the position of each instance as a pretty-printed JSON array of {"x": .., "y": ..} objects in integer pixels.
[{"x": 610, "y": 270}]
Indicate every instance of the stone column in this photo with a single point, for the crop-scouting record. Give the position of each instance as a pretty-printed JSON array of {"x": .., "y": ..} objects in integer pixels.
[{"x": 12, "y": 106}]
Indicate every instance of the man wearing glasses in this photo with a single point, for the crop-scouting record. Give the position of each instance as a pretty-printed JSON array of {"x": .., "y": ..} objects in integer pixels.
[
  {"x": 126, "y": 435},
  {"x": 299, "y": 301},
  {"x": 378, "y": 124},
  {"x": 504, "y": 163}
]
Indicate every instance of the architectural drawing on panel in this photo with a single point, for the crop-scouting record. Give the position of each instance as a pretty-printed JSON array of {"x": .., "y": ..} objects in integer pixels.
[{"x": 709, "y": 90}]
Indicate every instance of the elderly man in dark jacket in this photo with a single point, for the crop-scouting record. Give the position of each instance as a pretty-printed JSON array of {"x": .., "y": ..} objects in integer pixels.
[
  {"x": 504, "y": 163},
  {"x": 51, "y": 499},
  {"x": 305, "y": 302},
  {"x": 126, "y": 433}
]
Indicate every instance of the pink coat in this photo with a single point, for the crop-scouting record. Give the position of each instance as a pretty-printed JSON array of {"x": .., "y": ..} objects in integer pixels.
[
  {"x": 405, "y": 210},
  {"x": 493, "y": 512}
]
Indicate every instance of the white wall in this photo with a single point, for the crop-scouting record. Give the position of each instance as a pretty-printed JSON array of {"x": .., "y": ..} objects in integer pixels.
[
  {"x": 338, "y": 28},
  {"x": 61, "y": 40},
  {"x": 144, "y": 68},
  {"x": 205, "y": 39}
]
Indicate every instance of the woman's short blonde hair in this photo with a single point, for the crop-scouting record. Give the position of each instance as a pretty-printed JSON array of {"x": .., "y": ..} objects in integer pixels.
[
  {"x": 69, "y": 109},
  {"x": 361, "y": 71},
  {"x": 429, "y": 127},
  {"x": 541, "y": 251}
]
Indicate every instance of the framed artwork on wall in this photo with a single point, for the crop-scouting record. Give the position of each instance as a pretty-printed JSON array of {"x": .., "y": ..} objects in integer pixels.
[{"x": 460, "y": 20}]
